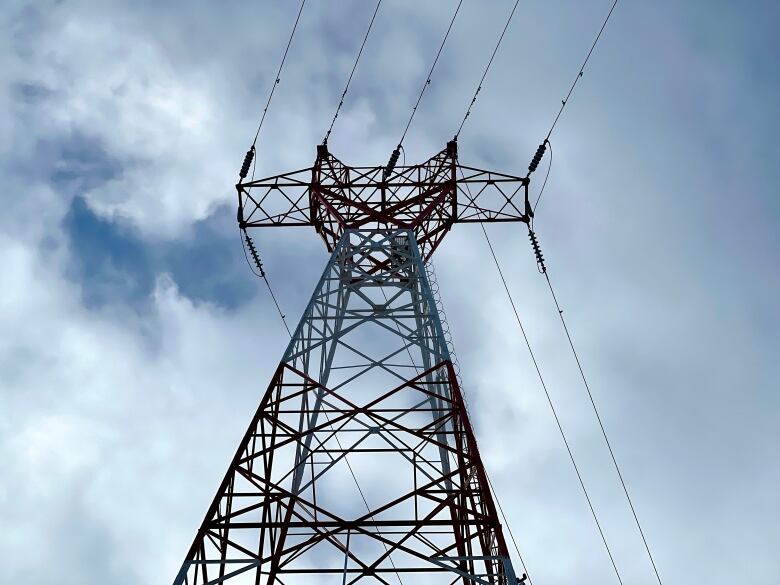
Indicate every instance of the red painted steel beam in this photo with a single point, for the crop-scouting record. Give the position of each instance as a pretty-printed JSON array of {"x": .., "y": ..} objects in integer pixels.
[{"x": 333, "y": 197}]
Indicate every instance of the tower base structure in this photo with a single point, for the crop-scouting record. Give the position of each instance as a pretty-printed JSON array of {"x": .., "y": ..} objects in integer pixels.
[{"x": 360, "y": 463}]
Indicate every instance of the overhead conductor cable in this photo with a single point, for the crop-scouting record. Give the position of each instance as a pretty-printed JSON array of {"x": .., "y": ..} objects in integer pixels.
[
  {"x": 352, "y": 73},
  {"x": 546, "y": 142},
  {"x": 581, "y": 71},
  {"x": 250, "y": 154},
  {"x": 246, "y": 241},
  {"x": 397, "y": 152},
  {"x": 487, "y": 68},
  {"x": 549, "y": 401},
  {"x": 543, "y": 270}
]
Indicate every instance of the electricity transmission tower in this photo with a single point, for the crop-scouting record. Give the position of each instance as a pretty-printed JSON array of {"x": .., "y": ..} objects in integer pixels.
[{"x": 360, "y": 462}]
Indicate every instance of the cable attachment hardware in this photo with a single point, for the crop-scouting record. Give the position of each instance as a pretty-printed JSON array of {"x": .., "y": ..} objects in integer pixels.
[
  {"x": 529, "y": 211},
  {"x": 253, "y": 251},
  {"x": 537, "y": 252},
  {"x": 537, "y": 157},
  {"x": 391, "y": 163},
  {"x": 250, "y": 156}
]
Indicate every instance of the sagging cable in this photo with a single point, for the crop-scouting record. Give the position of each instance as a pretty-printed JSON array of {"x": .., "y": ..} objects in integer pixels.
[{"x": 552, "y": 408}]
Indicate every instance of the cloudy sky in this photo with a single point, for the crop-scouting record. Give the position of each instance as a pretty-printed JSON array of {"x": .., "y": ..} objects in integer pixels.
[{"x": 136, "y": 344}]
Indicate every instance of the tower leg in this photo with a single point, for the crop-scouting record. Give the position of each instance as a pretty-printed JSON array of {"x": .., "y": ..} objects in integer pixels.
[{"x": 360, "y": 462}]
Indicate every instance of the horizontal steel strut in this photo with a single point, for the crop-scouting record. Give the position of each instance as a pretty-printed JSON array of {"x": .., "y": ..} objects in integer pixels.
[
  {"x": 365, "y": 392},
  {"x": 428, "y": 198}
]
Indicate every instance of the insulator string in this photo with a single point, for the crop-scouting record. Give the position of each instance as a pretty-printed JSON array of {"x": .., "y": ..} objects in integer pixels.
[
  {"x": 564, "y": 102},
  {"x": 261, "y": 274},
  {"x": 544, "y": 184},
  {"x": 543, "y": 270},
  {"x": 540, "y": 265}
]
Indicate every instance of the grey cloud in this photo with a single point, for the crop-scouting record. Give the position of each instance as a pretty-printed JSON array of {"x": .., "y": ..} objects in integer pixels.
[{"x": 659, "y": 224}]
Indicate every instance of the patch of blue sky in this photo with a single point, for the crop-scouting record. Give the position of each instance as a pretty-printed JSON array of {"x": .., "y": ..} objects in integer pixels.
[{"x": 113, "y": 264}]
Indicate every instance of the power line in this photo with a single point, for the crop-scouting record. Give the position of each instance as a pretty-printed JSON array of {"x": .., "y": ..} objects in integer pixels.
[
  {"x": 601, "y": 426},
  {"x": 509, "y": 528},
  {"x": 249, "y": 159},
  {"x": 549, "y": 397},
  {"x": 552, "y": 406},
  {"x": 490, "y": 484},
  {"x": 279, "y": 72},
  {"x": 357, "y": 60},
  {"x": 565, "y": 101},
  {"x": 387, "y": 171},
  {"x": 546, "y": 142},
  {"x": 261, "y": 274},
  {"x": 250, "y": 154},
  {"x": 430, "y": 73},
  {"x": 487, "y": 68}
]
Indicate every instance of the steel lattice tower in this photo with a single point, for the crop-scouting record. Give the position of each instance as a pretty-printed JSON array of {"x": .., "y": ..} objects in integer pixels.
[{"x": 360, "y": 462}]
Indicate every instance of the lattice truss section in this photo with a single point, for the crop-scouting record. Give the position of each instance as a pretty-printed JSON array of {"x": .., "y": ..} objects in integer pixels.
[
  {"x": 427, "y": 198},
  {"x": 365, "y": 395}
]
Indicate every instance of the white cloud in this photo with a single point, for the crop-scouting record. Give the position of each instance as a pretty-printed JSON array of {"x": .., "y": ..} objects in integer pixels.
[
  {"x": 116, "y": 425},
  {"x": 104, "y": 409}
]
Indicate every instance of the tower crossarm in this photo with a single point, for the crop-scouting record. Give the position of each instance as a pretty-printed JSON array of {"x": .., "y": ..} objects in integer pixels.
[
  {"x": 488, "y": 196},
  {"x": 428, "y": 198},
  {"x": 281, "y": 200}
]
